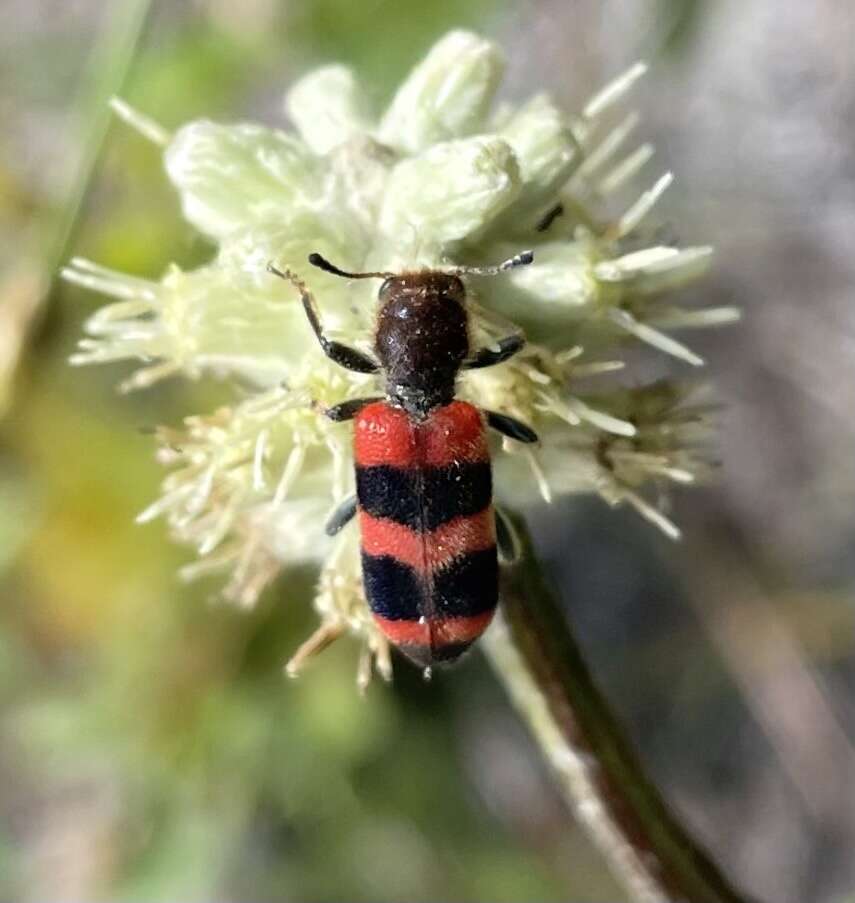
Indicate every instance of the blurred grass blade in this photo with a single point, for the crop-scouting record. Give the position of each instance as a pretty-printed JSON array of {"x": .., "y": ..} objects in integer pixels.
[{"x": 26, "y": 290}]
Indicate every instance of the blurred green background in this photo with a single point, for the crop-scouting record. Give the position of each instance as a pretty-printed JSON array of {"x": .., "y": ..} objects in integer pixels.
[{"x": 150, "y": 748}]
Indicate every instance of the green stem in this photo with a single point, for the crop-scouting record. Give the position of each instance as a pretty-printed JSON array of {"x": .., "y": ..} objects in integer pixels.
[{"x": 533, "y": 652}]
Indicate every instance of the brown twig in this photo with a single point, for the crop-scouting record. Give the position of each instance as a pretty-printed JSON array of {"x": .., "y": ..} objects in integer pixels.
[{"x": 532, "y": 650}]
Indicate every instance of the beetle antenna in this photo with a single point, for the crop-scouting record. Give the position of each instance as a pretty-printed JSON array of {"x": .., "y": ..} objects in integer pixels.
[
  {"x": 322, "y": 263},
  {"x": 519, "y": 260}
]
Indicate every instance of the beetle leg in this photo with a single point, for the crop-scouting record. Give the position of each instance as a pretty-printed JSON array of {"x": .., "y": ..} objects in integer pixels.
[
  {"x": 511, "y": 427},
  {"x": 342, "y": 516},
  {"x": 487, "y": 357},
  {"x": 342, "y": 354},
  {"x": 346, "y": 410},
  {"x": 507, "y": 540}
]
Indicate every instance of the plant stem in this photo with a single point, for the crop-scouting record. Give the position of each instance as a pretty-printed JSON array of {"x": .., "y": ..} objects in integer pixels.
[{"x": 534, "y": 654}]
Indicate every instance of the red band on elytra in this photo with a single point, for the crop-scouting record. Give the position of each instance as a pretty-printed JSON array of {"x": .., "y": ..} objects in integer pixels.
[
  {"x": 385, "y": 434},
  {"x": 425, "y": 552},
  {"x": 435, "y": 632},
  {"x": 454, "y": 434}
]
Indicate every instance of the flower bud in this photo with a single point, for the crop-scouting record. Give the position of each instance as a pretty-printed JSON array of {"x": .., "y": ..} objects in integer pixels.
[
  {"x": 446, "y": 96},
  {"x": 328, "y": 107},
  {"x": 229, "y": 176},
  {"x": 450, "y": 191}
]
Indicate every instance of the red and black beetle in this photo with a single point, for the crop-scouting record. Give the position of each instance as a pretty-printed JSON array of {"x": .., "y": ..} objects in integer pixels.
[{"x": 423, "y": 477}]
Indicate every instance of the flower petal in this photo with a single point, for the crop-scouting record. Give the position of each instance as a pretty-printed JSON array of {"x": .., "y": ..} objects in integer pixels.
[
  {"x": 446, "y": 96},
  {"x": 233, "y": 175},
  {"x": 655, "y": 269},
  {"x": 211, "y": 319},
  {"x": 328, "y": 107},
  {"x": 546, "y": 299},
  {"x": 450, "y": 191},
  {"x": 547, "y": 152}
]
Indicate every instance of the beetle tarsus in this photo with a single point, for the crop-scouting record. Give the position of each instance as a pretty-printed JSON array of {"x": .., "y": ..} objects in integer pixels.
[
  {"x": 511, "y": 427},
  {"x": 489, "y": 357},
  {"x": 344, "y": 513}
]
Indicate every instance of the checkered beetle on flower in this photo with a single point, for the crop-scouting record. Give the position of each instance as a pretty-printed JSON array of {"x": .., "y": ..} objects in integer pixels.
[{"x": 423, "y": 479}]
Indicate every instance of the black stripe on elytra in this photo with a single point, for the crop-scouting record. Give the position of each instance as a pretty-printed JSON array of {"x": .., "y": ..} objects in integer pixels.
[
  {"x": 467, "y": 585},
  {"x": 394, "y": 590},
  {"x": 427, "y": 497}
]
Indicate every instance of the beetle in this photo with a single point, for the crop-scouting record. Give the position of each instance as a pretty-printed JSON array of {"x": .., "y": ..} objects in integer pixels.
[{"x": 429, "y": 531}]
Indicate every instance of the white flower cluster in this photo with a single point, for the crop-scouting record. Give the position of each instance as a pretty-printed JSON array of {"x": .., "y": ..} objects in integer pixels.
[{"x": 442, "y": 177}]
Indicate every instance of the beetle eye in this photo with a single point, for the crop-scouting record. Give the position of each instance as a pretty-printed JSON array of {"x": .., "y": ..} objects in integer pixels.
[{"x": 385, "y": 288}]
